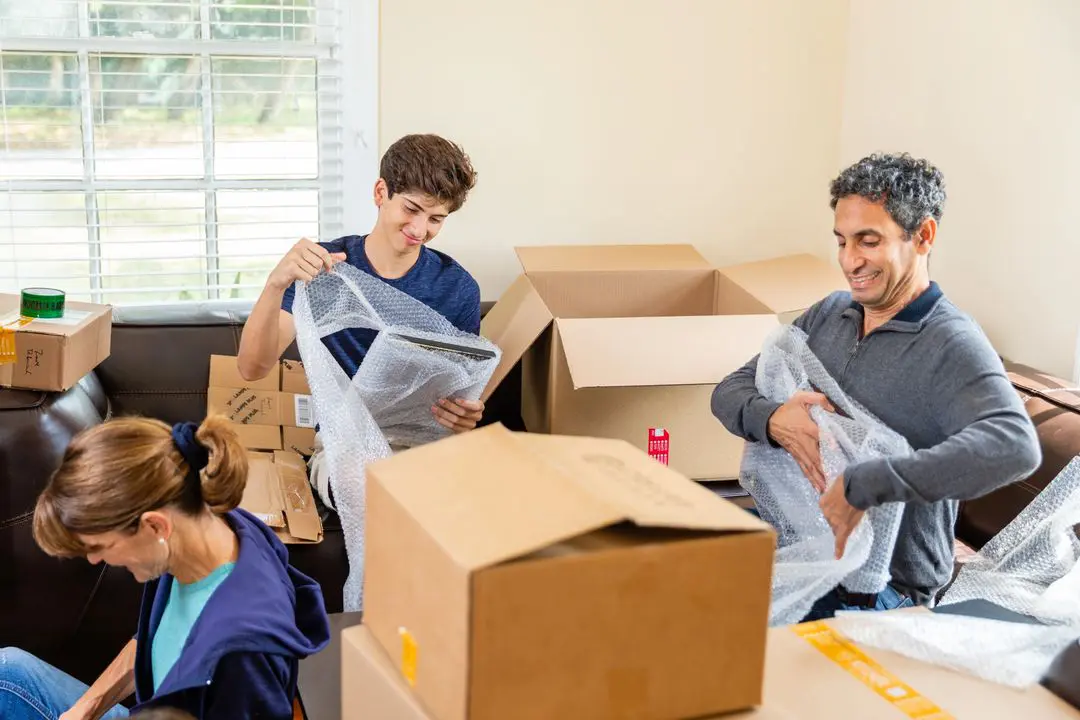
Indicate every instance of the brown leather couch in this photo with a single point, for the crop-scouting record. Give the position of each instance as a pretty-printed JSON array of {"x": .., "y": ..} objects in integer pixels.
[{"x": 77, "y": 616}]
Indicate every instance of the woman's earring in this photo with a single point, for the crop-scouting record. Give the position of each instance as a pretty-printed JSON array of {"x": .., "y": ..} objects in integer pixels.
[{"x": 161, "y": 540}]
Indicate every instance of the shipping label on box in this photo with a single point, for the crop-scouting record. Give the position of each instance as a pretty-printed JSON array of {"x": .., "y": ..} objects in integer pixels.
[{"x": 297, "y": 411}]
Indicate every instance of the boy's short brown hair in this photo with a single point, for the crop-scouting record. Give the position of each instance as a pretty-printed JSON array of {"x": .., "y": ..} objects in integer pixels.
[{"x": 431, "y": 165}]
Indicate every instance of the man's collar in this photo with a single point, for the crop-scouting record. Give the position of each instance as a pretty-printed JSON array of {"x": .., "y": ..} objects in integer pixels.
[{"x": 916, "y": 310}]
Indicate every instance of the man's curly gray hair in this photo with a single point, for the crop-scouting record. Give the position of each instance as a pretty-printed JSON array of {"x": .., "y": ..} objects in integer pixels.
[{"x": 911, "y": 189}]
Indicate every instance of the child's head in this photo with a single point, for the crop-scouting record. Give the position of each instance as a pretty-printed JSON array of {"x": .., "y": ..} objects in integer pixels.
[{"x": 422, "y": 179}]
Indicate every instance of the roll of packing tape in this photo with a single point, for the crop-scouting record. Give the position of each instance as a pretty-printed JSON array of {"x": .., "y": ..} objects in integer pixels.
[{"x": 42, "y": 303}]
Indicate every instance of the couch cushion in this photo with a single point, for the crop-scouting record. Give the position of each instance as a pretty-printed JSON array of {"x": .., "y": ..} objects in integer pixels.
[{"x": 1056, "y": 414}]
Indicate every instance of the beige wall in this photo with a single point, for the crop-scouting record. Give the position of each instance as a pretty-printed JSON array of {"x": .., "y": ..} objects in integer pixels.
[
  {"x": 713, "y": 122},
  {"x": 989, "y": 90}
]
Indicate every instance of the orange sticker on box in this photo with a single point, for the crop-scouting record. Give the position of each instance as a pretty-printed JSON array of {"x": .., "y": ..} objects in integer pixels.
[
  {"x": 869, "y": 672},
  {"x": 408, "y": 656}
]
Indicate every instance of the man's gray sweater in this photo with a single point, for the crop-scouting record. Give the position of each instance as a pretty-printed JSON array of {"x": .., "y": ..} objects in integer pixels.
[{"x": 931, "y": 375}]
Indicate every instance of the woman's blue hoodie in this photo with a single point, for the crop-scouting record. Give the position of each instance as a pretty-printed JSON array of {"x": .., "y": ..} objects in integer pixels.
[{"x": 242, "y": 656}]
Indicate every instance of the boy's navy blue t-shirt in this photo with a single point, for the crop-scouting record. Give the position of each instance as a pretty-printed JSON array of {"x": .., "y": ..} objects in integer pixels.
[{"x": 436, "y": 280}]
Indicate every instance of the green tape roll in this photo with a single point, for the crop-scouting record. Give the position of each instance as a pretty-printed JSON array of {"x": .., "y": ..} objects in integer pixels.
[{"x": 42, "y": 303}]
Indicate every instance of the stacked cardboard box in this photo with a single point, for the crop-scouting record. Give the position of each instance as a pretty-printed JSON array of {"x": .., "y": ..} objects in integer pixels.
[
  {"x": 539, "y": 576},
  {"x": 53, "y": 354},
  {"x": 801, "y": 683},
  {"x": 278, "y": 493},
  {"x": 273, "y": 413},
  {"x": 629, "y": 341}
]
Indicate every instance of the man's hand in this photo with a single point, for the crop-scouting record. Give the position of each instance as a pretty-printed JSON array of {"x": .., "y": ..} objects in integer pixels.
[
  {"x": 842, "y": 517},
  {"x": 457, "y": 414},
  {"x": 794, "y": 430},
  {"x": 303, "y": 262}
]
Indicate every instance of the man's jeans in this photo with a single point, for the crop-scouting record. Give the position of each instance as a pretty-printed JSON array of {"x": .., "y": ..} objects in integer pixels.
[
  {"x": 31, "y": 689},
  {"x": 888, "y": 599}
]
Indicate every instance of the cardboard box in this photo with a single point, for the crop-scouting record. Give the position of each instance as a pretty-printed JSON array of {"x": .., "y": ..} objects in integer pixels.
[
  {"x": 536, "y": 576},
  {"x": 278, "y": 493},
  {"x": 54, "y": 354},
  {"x": 299, "y": 440},
  {"x": 293, "y": 379},
  {"x": 373, "y": 689},
  {"x": 258, "y": 437},
  {"x": 800, "y": 684},
  {"x": 224, "y": 373},
  {"x": 246, "y": 406},
  {"x": 618, "y": 340}
]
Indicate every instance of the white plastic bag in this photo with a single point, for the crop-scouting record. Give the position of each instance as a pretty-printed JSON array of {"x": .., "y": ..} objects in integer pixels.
[
  {"x": 417, "y": 358},
  {"x": 806, "y": 567},
  {"x": 1030, "y": 568}
]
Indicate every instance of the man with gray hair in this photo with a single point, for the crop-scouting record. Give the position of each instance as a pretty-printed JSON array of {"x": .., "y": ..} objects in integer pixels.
[{"x": 898, "y": 347}]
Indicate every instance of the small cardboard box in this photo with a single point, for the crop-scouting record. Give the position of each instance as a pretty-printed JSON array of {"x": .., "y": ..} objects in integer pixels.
[
  {"x": 225, "y": 373},
  {"x": 299, "y": 440},
  {"x": 618, "y": 340},
  {"x": 278, "y": 493},
  {"x": 258, "y": 437},
  {"x": 246, "y": 406},
  {"x": 54, "y": 354},
  {"x": 293, "y": 379},
  {"x": 535, "y": 576}
]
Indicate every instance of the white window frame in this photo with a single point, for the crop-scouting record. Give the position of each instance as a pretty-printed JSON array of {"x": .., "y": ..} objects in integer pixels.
[{"x": 347, "y": 120}]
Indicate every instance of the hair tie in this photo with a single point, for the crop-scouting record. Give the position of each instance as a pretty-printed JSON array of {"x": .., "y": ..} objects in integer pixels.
[{"x": 194, "y": 453}]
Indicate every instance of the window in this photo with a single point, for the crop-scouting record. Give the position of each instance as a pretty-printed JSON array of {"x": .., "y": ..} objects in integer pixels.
[{"x": 174, "y": 150}]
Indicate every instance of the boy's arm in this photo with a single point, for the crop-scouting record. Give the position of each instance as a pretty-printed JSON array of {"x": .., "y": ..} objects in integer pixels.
[{"x": 270, "y": 328}]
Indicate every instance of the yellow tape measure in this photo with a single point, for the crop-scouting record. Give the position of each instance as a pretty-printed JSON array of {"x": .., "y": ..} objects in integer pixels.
[{"x": 869, "y": 672}]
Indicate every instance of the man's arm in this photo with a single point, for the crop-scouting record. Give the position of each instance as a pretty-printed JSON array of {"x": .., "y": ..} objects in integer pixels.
[
  {"x": 991, "y": 440},
  {"x": 270, "y": 327},
  {"x": 736, "y": 402},
  {"x": 114, "y": 685}
]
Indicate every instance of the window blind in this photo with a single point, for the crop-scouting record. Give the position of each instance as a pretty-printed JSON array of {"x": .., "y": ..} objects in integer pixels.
[{"x": 165, "y": 151}]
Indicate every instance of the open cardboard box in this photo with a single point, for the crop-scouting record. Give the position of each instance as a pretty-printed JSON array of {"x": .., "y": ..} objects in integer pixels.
[
  {"x": 801, "y": 683},
  {"x": 278, "y": 493},
  {"x": 538, "y": 576},
  {"x": 55, "y": 353},
  {"x": 616, "y": 340}
]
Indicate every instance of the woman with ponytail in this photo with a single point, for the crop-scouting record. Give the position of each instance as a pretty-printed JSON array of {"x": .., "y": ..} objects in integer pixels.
[{"x": 224, "y": 620}]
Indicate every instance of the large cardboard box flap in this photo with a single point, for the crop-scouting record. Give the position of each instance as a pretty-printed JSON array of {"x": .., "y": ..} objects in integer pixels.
[
  {"x": 787, "y": 285},
  {"x": 532, "y": 491},
  {"x": 695, "y": 350},
  {"x": 514, "y": 323},
  {"x": 593, "y": 258},
  {"x": 55, "y": 353},
  {"x": 278, "y": 493}
]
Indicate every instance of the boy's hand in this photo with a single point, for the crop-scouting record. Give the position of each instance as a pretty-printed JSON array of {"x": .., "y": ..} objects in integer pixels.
[
  {"x": 303, "y": 262},
  {"x": 457, "y": 414}
]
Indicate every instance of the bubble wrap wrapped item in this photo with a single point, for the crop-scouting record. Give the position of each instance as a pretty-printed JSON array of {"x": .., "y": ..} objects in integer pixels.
[
  {"x": 417, "y": 358},
  {"x": 1031, "y": 568},
  {"x": 806, "y": 567}
]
